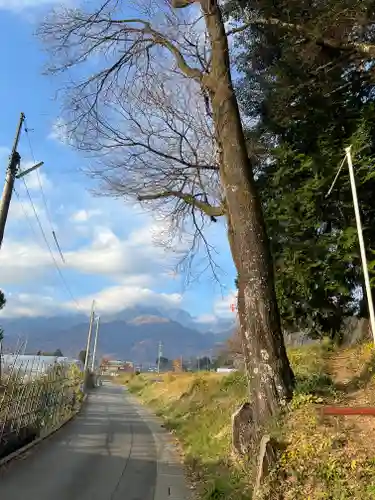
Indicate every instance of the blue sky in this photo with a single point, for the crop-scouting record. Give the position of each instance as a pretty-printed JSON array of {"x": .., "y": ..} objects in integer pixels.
[{"x": 109, "y": 246}]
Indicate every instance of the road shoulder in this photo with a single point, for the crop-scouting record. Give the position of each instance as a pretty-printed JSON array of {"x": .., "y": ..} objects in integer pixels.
[{"x": 171, "y": 482}]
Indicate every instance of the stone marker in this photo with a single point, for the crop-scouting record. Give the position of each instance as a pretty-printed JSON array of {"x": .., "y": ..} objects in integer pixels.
[{"x": 242, "y": 425}]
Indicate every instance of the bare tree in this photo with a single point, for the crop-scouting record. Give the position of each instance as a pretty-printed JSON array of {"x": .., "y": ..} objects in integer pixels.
[
  {"x": 133, "y": 52},
  {"x": 159, "y": 128}
]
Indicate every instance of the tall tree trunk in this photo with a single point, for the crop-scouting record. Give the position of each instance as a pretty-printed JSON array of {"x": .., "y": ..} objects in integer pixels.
[{"x": 269, "y": 371}]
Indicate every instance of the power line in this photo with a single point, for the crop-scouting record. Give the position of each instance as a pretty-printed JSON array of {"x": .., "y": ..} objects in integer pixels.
[
  {"x": 48, "y": 214},
  {"x": 38, "y": 176},
  {"x": 12, "y": 189},
  {"x": 49, "y": 248},
  {"x": 27, "y": 217}
]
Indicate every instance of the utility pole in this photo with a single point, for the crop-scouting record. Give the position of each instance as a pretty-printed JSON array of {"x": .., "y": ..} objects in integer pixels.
[
  {"x": 92, "y": 315},
  {"x": 348, "y": 158},
  {"x": 160, "y": 353},
  {"x": 11, "y": 175},
  {"x": 361, "y": 241},
  {"x": 95, "y": 343},
  {"x": 14, "y": 162},
  {"x": 1, "y": 355}
]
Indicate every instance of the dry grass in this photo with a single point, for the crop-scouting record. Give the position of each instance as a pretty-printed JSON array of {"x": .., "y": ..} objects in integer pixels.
[
  {"x": 331, "y": 459},
  {"x": 197, "y": 409}
]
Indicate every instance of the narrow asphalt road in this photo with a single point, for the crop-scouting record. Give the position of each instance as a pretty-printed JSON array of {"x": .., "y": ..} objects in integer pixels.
[{"x": 111, "y": 451}]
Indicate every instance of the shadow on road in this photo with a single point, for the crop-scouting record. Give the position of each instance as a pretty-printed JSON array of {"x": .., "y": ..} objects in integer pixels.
[{"x": 107, "y": 453}]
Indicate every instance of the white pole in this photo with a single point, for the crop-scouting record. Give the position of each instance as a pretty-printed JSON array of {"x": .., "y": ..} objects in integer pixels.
[
  {"x": 361, "y": 242},
  {"x": 89, "y": 337},
  {"x": 95, "y": 343}
]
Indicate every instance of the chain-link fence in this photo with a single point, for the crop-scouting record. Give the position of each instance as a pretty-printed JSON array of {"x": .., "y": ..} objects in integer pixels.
[{"x": 35, "y": 397}]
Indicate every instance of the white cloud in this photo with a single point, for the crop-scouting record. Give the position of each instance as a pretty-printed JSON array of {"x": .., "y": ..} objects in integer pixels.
[
  {"x": 29, "y": 305},
  {"x": 84, "y": 215},
  {"x": 206, "y": 319},
  {"x": 108, "y": 255},
  {"x": 110, "y": 300},
  {"x": 36, "y": 179},
  {"x": 59, "y": 131},
  {"x": 126, "y": 266},
  {"x": 22, "y": 263},
  {"x": 117, "y": 298},
  {"x": 225, "y": 307},
  {"x": 134, "y": 264},
  {"x": 19, "y": 210}
]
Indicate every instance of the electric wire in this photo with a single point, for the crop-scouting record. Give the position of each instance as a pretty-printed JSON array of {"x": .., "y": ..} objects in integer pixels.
[
  {"x": 49, "y": 248},
  {"x": 27, "y": 217},
  {"x": 63, "y": 280},
  {"x": 336, "y": 177},
  {"x": 48, "y": 214}
]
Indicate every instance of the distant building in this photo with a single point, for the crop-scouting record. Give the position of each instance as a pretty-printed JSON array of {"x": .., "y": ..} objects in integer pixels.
[
  {"x": 113, "y": 367},
  {"x": 127, "y": 367},
  {"x": 225, "y": 369},
  {"x": 31, "y": 366}
]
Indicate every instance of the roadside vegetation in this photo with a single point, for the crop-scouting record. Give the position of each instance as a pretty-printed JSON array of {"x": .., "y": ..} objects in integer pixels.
[
  {"x": 330, "y": 458},
  {"x": 166, "y": 124}
]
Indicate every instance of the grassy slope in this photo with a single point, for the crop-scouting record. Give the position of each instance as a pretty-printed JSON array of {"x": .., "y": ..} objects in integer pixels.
[{"x": 331, "y": 459}]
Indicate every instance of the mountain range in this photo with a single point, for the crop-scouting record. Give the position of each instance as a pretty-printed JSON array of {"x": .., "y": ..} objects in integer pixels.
[{"x": 132, "y": 334}]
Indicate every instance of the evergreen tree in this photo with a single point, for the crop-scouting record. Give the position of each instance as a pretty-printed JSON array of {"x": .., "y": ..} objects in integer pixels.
[
  {"x": 82, "y": 356},
  {"x": 308, "y": 89}
]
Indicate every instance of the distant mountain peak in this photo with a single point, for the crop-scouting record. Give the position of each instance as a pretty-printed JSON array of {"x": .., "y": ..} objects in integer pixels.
[
  {"x": 133, "y": 334},
  {"x": 142, "y": 320}
]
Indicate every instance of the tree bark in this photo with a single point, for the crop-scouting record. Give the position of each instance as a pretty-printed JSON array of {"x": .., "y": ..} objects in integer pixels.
[{"x": 271, "y": 377}]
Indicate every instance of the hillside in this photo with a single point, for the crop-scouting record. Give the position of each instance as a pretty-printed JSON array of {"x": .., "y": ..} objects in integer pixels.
[{"x": 132, "y": 334}]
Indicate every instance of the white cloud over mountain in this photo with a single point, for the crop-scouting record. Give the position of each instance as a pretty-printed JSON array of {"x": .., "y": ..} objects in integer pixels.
[
  {"x": 108, "y": 301},
  {"x": 128, "y": 261}
]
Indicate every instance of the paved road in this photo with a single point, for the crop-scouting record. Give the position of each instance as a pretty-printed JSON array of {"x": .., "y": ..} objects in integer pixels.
[{"x": 111, "y": 451}]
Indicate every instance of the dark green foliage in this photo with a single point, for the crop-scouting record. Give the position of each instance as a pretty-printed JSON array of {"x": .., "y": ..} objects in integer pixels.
[
  {"x": 3, "y": 300},
  {"x": 309, "y": 93},
  {"x": 2, "y": 304},
  {"x": 205, "y": 363},
  {"x": 164, "y": 363},
  {"x": 314, "y": 239},
  {"x": 82, "y": 356},
  {"x": 57, "y": 353}
]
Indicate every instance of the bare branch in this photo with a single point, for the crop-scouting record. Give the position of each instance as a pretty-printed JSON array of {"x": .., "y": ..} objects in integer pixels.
[
  {"x": 102, "y": 32},
  {"x": 180, "y": 4},
  {"x": 141, "y": 114},
  {"x": 190, "y": 200}
]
